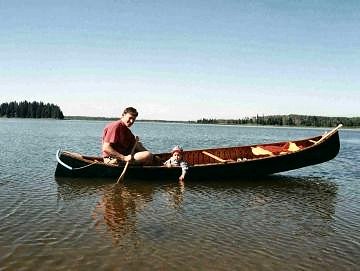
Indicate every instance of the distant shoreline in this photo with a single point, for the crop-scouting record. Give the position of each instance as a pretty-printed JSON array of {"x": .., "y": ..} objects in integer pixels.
[
  {"x": 325, "y": 122},
  {"x": 112, "y": 119},
  {"x": 273, "y": 121}
]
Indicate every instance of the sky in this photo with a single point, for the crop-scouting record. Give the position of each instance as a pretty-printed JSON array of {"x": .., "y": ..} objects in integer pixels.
[{"x": 183, "y": 60}]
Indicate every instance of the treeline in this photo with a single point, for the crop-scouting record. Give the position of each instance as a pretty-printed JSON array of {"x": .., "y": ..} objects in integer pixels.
[
  {"x": 288, "y": 120},
  {"x": 27, "y": 109}
]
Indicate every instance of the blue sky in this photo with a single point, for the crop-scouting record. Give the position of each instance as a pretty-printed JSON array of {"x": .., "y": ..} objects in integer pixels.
[{"x": 183, "y": 60}]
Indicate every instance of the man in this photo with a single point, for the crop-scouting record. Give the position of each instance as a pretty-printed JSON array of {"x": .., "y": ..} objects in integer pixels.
[{"x": 118, "y": 141}]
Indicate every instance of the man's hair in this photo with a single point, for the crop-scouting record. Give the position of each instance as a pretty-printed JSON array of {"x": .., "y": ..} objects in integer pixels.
[{"x": 130, "y": 110}]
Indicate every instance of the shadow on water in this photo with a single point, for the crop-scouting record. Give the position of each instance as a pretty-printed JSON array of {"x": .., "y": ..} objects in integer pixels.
[
  {"x": 69, "y": 188},
  {"x": 117, "y": 210}
]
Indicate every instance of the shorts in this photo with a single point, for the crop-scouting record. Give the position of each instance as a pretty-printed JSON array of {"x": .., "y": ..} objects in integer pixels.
[{"x": 111, "y": 161}]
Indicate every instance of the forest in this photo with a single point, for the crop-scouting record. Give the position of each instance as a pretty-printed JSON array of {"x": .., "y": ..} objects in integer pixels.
[
  {"x": 289, "y": 120},
  {"x": 34, "y": 109},
  {"x": 27, "y": 109}
]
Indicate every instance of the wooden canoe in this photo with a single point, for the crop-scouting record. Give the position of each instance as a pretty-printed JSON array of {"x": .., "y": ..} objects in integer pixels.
[{"x": 218, "y": 163}]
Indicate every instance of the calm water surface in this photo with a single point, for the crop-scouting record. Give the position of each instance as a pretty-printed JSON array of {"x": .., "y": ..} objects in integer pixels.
[{"x": 306, "y": 219}]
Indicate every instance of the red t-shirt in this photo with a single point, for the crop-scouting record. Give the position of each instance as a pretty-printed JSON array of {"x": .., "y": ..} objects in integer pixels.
[{"x": 120, "y": 137}]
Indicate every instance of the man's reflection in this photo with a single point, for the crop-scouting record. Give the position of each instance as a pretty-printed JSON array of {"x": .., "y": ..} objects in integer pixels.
[
  {"x": 117, "y": 209},
  {"x": 120, "y": 205}
]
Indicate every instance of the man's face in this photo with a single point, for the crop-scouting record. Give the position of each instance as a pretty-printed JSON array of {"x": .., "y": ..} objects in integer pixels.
[{"x": 128, "y": 119}]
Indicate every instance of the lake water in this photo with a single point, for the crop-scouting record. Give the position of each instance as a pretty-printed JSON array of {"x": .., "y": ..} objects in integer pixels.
[{"x": 306, "y": 219}]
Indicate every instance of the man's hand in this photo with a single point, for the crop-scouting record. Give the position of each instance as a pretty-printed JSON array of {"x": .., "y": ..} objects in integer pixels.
[{"x": 129, "y": 158}]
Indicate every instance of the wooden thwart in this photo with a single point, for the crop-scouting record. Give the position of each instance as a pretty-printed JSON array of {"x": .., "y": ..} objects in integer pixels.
[{"x": 215, "y": 157}]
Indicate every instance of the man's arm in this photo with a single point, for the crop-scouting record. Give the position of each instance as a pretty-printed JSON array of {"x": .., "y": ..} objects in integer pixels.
[{"x": 106, "y": 146}]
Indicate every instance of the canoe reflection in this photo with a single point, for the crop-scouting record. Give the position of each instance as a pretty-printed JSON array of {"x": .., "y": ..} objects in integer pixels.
[{"x": 305, "y": 203}]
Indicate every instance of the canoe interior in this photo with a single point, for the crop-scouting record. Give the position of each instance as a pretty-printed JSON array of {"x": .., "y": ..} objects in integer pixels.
[
  {"x": 195, "y": 157},
  {"x": 230, "y": 154}
]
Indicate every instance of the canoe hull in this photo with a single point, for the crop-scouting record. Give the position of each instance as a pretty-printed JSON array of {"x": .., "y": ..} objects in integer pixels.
[{"x": 318, "y": 153}]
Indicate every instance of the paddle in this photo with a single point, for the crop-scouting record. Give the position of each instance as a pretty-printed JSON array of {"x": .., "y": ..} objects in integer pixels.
[{"x": 121, "y": 177}]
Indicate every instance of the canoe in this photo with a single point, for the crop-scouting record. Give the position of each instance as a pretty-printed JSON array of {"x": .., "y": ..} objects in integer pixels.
[{"x": 213, "y": 163}]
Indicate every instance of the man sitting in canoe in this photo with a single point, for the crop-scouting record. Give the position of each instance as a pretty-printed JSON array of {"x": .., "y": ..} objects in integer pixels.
[{"x": 118, "y": 141}]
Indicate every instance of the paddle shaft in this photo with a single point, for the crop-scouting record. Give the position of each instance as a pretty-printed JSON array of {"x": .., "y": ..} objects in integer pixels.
[{"x": 121, "y": 177}]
